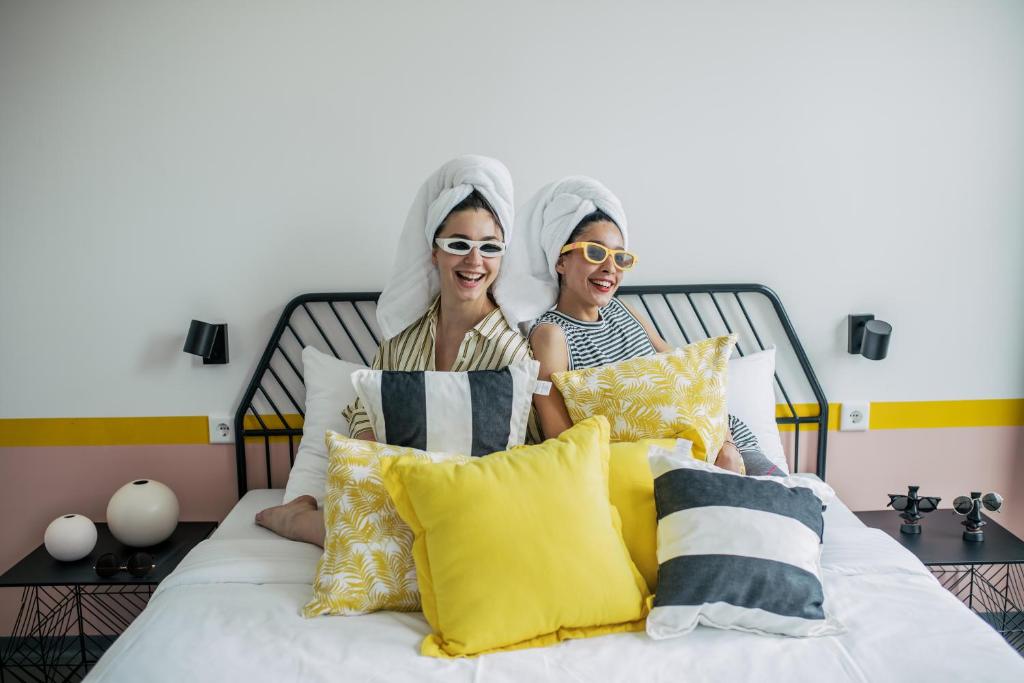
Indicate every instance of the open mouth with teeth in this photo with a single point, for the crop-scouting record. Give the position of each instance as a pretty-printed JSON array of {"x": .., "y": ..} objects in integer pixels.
[
  {"x": 469, "y": 279},
  {"x": 602, "y": 285}
]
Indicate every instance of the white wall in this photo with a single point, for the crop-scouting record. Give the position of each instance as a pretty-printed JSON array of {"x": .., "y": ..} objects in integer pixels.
[{"x": 164, "y": 160}]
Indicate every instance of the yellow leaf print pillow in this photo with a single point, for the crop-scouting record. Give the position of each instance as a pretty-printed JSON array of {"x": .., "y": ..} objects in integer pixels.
[
  {"x": 367, "y": 563},
  {"x": 678, "y": 394}
]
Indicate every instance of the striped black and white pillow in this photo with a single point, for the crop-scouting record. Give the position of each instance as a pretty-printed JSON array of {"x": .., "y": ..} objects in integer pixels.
[
  {"x": 736, "y": 552},
  {"x": 476, "y": 412}
]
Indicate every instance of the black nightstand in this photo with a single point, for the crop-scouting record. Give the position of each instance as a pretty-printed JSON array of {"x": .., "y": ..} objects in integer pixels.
[
  {"x": 988, "y": 576},
  {"x": 69, "y": 616}
]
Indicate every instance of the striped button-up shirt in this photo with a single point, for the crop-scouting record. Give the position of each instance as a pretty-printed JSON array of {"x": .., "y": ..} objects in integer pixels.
[{"x": 490, "y": 345}]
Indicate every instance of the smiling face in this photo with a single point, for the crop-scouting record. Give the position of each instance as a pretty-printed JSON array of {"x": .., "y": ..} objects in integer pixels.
[
  {"x": 467, "y": 278},
  {"x": 586, "y": 283}
]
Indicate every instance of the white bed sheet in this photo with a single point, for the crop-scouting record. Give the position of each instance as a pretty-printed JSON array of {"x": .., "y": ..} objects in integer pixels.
[
  {"x": 239, "y": 522},
  {"x": 231, "y": 612}
]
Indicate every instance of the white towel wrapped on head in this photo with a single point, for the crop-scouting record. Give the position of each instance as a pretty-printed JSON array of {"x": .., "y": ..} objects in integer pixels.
[
  {"x": 529, "y": 285},
  {"x": 414, "y": 283}
]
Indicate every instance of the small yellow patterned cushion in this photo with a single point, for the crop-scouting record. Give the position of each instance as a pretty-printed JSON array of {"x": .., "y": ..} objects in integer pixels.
[
  {"x": 678, "y": 394},
  {"x": 367, "y": 563}
]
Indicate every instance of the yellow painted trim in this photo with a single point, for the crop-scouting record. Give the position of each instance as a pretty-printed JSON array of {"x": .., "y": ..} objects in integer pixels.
[
  {"x": 807, "y": 410},
  {"x": 132, "y": 431},
  {"x": 272, "y": 421},
  {"x": 1001, "y": 412},
  {"x": 1007, "y": 412},
  {"x": 118, "y": 431},
  {"x": 103, "y": 431}
]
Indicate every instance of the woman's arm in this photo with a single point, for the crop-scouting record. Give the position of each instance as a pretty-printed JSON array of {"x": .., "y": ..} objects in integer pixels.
[{"x": 548, "y": 344}]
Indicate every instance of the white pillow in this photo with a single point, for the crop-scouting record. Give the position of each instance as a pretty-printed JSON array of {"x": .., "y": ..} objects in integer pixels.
[
  {"x": 474, "y": 413},
  {"x": 328, "y": 390},
  {"x": 750, "y": 396},
  {"x": 737, "y": 552}
]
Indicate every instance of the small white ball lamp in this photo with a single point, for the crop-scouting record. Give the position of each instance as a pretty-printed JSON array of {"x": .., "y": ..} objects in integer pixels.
[
  {"x": 70, "y": 537},
  {"x": 142, "y": 513}
]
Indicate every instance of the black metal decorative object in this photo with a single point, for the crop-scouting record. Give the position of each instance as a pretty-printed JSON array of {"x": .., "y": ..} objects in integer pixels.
[
  {"x": 867, "y": 336},
  {"x": 209, "y": 340},
  {"x": 912, "y": 508},
  {"x": 970, "y": 508}
]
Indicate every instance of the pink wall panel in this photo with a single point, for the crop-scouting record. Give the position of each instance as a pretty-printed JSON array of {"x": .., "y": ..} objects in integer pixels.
[
  {"x": 39, "y": 484},
  {"x": 864, "y": 466}
]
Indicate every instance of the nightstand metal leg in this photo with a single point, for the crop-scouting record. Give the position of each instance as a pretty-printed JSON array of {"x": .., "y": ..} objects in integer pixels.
[
  {"x": 1014, "y": 631},
  {"x": 970, "y": 594},
  {"x": 1006, "y": 599},
  {"x": 81, "y": 627}
]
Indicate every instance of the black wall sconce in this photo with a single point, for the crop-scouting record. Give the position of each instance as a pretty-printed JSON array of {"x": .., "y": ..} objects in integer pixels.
[
  {"x": 868, "y": 337},
  {"x": 208, "y": 340}
]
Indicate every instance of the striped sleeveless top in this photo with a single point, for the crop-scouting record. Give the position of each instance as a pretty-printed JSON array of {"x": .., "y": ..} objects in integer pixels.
[{"x": 616, "y": 335}]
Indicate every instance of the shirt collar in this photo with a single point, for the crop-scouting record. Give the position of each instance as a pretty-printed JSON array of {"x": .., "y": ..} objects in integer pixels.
[{"x": 489, "y": 327}]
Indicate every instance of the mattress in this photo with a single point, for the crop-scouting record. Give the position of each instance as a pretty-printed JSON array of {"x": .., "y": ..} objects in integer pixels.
[{"x": 231, "y": 612}]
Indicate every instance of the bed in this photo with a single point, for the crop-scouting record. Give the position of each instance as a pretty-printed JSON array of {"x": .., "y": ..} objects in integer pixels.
[{"x": 231, "y": 609}]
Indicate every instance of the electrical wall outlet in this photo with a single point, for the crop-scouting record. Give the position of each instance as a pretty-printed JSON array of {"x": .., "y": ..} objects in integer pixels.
[
  {"x": 222, "y": 429},
  {"x": 855, "y": 416}
]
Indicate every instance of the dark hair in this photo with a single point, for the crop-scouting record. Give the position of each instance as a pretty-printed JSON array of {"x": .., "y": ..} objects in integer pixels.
[
  {"x": 595, "y": 216},
  {"x": 475, "y": 201}
]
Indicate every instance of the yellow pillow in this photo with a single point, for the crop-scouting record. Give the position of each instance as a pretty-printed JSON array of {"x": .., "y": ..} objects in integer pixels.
[
  {"x": 631, "y": 490},
  {"x": 521, "y": 548},
  {"x": 367, "y": 563},
  {"x": 679, "y": 394}
]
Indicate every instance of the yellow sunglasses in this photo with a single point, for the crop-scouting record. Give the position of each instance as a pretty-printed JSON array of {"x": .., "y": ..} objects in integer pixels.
[{"x": 598, "y": 253}]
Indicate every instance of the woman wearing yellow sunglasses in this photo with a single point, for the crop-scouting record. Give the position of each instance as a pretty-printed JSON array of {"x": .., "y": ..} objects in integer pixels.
[{"x": 569, "y": 261}]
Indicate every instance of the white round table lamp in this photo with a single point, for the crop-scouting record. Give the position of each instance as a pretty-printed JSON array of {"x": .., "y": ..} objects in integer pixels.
[
  {"x": 70, "y": 537},
  {"x": 142, "y": 513}
]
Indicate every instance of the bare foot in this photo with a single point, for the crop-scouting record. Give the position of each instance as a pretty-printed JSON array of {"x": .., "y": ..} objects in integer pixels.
[
  {"x": 298, "y": 520},
  {"x": 729, "y": 458}
]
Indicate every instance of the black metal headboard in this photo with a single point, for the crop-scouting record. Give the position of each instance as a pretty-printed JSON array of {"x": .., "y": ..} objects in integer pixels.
[{"x": 269, "y": 417}]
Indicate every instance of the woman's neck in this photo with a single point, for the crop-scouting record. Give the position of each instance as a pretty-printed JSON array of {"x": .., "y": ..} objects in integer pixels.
[
  {"x": 573, "y": 307},
  {"x": 458, "y": 317}
]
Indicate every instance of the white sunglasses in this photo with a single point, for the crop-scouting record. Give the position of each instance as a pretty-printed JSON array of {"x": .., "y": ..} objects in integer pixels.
[{"x": 461, "y": 247}]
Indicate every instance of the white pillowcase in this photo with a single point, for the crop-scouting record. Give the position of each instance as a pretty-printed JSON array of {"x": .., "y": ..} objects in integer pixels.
[
  {"x": 328, "y": 390},
  {"x": 750, "y": 396}
]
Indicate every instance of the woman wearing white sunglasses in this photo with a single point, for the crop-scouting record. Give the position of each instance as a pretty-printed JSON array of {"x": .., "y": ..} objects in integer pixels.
[
  {"x": 437, "y": 312},
  {"x": 563, "y": 274}
]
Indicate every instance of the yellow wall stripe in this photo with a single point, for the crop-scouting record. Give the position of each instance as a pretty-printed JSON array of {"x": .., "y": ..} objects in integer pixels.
[
  {"x": 1001, "y": 412},
  {"x": 130, "y": 431},
  {"x": 117, "y": 431},
  {"x": 807, "y": 410},
  {"x": 103, "y": 431},
  {"x": 933, "y": 414}
]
